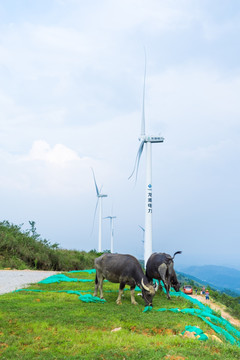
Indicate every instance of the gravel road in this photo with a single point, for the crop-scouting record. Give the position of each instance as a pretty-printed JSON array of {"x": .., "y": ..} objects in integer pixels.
[{"x": 11, "y": 280}]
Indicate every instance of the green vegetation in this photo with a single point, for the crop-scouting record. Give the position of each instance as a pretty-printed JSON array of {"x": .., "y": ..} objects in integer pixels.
[
  {"x": 58, "y": 325},
  {"x": 26, "y": 250},
  {"x": 233, "y": 303},
  {"x": 53, "y": 325}
]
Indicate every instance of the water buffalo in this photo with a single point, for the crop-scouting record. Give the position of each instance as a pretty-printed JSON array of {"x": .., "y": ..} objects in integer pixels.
[
  {"x": 160, "y": 266},
  {"x": 123, "y": 269}
]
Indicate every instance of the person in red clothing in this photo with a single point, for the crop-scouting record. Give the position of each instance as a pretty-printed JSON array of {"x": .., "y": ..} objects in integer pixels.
[{"x": 207, "y": 295}]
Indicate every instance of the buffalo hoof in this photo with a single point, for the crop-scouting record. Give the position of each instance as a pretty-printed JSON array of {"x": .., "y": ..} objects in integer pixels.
[
  {"x": 134, "y": 303},
  {"x": 119, "y": 302}
]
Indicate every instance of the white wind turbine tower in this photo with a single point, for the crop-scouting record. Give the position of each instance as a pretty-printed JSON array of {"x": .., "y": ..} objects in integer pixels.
[
  {"x": 99, "y": 200},
  {"x": 148, "y": 140},
  {"x": 111, "y": 229}
]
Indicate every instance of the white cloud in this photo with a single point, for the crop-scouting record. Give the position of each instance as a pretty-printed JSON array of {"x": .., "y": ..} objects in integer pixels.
[
  {"x": 73, "y": 78},
  {"x": 59, "y": 154},
  {"x": 196, "y": 105},
  {"x": 47, "y": 170}
]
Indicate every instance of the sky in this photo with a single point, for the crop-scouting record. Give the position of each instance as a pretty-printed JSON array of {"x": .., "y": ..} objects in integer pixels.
[{"x": 71, "y": 98}]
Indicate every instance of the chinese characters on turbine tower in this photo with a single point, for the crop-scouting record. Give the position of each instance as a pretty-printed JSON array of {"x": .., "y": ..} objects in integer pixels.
[{"x": 149, "y": 200}]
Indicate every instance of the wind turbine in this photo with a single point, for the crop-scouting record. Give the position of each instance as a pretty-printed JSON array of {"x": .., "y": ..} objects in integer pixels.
[
  {"x": 111, "y": 229},
  {"x": 148, "y": 140},
  {"x": 143, "y": 233},
  {"x": 99, "y": 200}
]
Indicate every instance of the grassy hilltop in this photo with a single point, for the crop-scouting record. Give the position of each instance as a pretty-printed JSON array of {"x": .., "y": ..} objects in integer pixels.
[{"x": 50, "y": 323}]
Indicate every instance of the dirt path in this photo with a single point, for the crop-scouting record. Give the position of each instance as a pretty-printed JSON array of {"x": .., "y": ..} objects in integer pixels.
[
  {"x": 213, "y": 305},
  {"x": 11, "y": 280}
]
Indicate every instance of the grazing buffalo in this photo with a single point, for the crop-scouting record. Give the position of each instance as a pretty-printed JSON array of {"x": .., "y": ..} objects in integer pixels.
[
  {"x": 123, "y": 269},
  {"x": 160, "y": 266}
]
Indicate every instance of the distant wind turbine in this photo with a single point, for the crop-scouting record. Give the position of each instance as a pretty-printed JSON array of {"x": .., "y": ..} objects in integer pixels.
[
  {"x": 148, "y": 140},
  {"x": 143, "y": 233},
  {"x": 99, "y": 200},
  {"x": 111, "y": 229}
]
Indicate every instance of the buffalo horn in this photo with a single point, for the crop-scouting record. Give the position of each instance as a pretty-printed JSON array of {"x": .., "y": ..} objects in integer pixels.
[{"x": 144, "y": 286}]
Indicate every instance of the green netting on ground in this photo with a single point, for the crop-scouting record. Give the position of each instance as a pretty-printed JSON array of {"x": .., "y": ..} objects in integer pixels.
[
  {"x": 192, "y": 300},
  {"x": 62, "y": 278},
  {"x": 206, "y": 317},
  {"x": 147, "y": 308},
  {"x": 218, "y": 324},
  {"x": 189, "y": 298},
  {"x": 88, "y": 298},
  {"x": 90, "y": 271},
  {"x": 197, "y": 332}
]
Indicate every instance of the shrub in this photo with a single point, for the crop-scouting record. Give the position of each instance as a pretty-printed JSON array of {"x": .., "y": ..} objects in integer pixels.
[{"x": 19, "y": 249}]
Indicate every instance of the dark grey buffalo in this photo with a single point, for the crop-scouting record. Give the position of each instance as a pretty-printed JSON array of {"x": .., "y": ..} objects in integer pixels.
[
  {"x": 123, "y": 269},
  {"x": 160, "y": 266}
]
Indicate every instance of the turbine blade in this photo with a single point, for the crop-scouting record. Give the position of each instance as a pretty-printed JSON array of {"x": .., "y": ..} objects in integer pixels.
[
  {"x": 141, "y": 228},
  {"x": 97, "y": 191},
  {"x": 94, "y": 216},
  {"x": 138, "y": 157},
  {"x": 143, "y": 101}
]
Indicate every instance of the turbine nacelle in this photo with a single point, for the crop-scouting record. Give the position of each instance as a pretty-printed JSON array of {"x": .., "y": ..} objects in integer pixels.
[{"x": 152, "y": 139}]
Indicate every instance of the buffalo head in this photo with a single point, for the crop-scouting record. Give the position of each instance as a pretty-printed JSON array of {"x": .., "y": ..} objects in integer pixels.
[
  {"x": 148, "y": 291},
  {"x": 175, "y": 284}
]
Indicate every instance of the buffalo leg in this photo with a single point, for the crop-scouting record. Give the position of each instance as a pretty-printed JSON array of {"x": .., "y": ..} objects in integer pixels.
[
  {"x": 98, "y": 285},
  {"x": 121, "y": 287},
  {"x": 132, "y": 292},
  {"x": 163, "y": 273}
]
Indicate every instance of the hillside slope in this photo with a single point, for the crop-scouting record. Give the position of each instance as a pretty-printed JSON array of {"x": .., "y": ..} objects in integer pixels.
[
  {"x": 27, "y": 250},
  {"x": 50, "y": 322},
  {"x": 218, "y": 276},
  {"x": 225, "y": 311}
]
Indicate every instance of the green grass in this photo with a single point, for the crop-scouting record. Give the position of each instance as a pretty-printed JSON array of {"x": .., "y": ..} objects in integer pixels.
[{"x": 53, "y": 325}]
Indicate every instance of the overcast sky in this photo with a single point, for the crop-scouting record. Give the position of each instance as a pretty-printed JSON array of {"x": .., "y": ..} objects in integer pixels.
[{"x": 71, "y": 99}]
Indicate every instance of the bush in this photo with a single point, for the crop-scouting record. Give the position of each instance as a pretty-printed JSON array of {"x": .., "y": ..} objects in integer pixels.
[{"x": 20, "y": 250}]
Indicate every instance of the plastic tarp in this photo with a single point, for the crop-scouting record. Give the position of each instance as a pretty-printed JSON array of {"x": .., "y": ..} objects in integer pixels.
[
  {"x": 90, "y": 271},
  {"x": 217, "y": 323},
  {"x": 62, "y": 278},
  {"x": 198, "y": 333},
  {"x": 88, "y": 298}
]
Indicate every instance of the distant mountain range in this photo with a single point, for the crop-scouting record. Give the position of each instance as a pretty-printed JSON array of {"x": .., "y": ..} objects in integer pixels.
[{"x": 219, "y": 277}]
